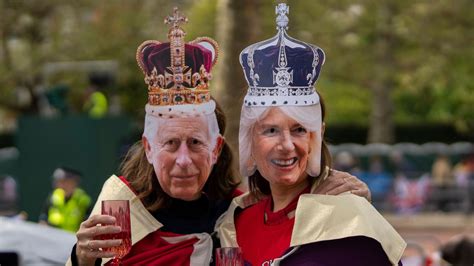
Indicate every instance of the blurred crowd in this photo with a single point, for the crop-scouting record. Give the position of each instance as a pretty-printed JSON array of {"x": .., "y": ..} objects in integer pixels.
[{"x": 399, "y": 184}]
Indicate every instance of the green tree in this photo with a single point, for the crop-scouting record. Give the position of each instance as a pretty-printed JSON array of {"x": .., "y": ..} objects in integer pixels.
[
  {"x": 411, "y": 56},
  {"x": 388, "y": 62}
]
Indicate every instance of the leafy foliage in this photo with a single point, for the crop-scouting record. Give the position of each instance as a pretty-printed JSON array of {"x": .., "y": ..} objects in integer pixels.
[{"x": 426, "y": 73}]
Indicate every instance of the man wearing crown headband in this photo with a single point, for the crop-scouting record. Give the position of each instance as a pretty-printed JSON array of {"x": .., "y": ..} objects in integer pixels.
[
  {"x": 283, "y": 153},
  {"x": 178, "y": 179}
]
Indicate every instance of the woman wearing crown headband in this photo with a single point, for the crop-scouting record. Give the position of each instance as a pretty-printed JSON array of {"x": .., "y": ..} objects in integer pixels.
[
  {"x": 179, "y": 178},
  {"x": 283, "y": 153}
]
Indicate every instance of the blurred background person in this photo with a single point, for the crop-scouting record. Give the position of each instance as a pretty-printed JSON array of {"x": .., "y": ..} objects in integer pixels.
[
  {"x": 401, "y": 166},
  {"x": 379, "y": 181},
  {"x": 464, "y": 176},
  {"x": 57, "y": 98},
  {"x": 464, "y": 170},
  {"x": 346, "y": 162},
  {"x": 68, "y": 205},
  {"x": 444, "y": 189},
  {"x": 96, "y": 104},
  {"x": 8, "y": 196},
  {"x": 441, "y": 172},
  {"x": 409, "y": 196}
]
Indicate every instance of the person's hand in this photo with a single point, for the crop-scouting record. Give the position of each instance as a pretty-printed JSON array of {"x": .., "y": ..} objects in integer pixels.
[
  {"x": 339, "y": 182},
  {"x": 88, "y": 244}
]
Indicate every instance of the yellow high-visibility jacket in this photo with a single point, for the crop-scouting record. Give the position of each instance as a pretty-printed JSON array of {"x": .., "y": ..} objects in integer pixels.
[{"x": 69, "y": 214}]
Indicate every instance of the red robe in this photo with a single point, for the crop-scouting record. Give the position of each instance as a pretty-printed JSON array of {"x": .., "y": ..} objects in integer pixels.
[{"x": 181, "y": 235}]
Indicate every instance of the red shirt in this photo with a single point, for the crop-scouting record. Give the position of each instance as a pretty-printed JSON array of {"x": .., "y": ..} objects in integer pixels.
[{"x": 262, "y": 241}]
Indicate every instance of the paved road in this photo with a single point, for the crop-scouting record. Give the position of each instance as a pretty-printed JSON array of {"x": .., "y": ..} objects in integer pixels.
[{"x": 430, "y": 230}]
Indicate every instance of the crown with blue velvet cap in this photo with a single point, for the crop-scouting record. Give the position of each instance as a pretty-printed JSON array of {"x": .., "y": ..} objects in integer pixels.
[{"x": 282, "y": 70}]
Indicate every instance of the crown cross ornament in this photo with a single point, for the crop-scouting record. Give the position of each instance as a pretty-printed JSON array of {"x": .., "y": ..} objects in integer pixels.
[
  {"x": 282, "y": 76},
  {"x": 177, "y": 72},
  {"x": 282, "y": 19},
  {"x": 176, "y": 19}
]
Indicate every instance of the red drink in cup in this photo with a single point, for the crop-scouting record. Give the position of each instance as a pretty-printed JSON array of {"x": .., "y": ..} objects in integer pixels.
[{"x": 120, "y": 209}]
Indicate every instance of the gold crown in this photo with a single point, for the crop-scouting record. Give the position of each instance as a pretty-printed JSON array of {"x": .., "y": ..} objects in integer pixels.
[{"x": 170, "y": 81}]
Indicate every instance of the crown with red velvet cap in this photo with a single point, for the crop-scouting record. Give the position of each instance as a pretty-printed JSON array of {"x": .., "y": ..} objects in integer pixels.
[{"x": 177, "y": 73}]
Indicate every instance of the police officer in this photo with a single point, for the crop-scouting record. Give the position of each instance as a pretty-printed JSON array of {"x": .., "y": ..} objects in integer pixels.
[
  {"x": 96, "y": 103},
  {"x": 68, "y": 205}
]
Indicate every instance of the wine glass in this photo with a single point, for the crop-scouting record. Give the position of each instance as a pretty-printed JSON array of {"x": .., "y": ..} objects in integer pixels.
[
  {"x": 120, "y": 209},
  {"x": 230, "y": 256}
]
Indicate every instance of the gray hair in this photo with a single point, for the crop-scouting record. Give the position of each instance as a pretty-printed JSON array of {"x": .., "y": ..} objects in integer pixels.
[{"x": 154, "y": 119}]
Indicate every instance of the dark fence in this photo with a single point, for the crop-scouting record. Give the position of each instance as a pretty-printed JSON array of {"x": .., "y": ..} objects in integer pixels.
[{"x": 94, "y": 147}]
